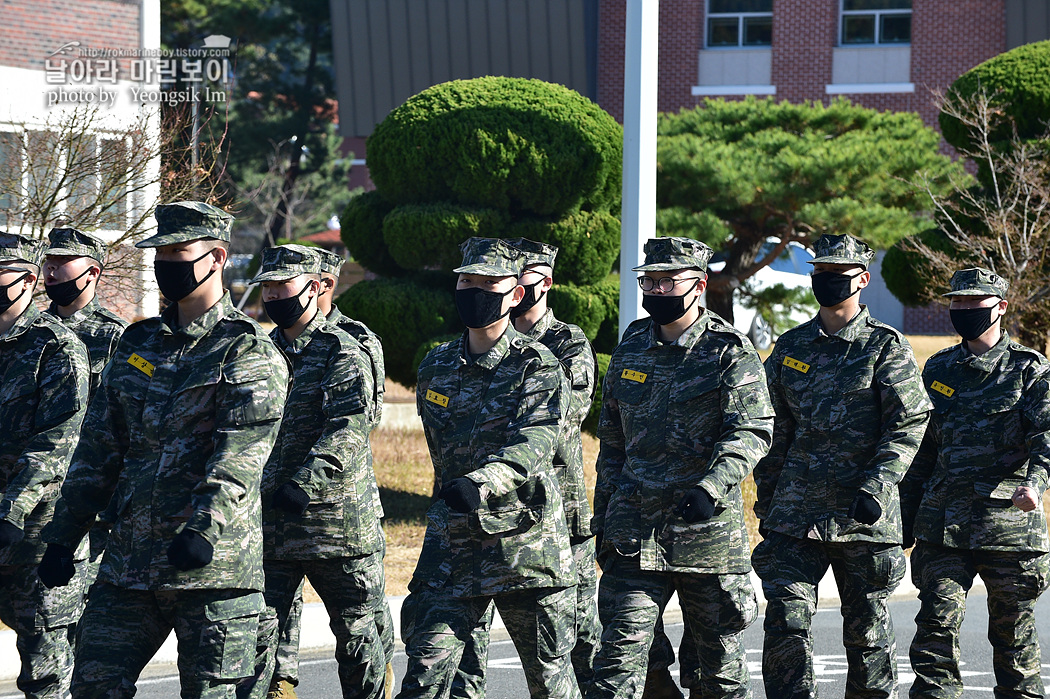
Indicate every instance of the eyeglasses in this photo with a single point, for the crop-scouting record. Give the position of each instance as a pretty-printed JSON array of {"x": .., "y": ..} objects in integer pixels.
[{"x": 666, "y": 284}]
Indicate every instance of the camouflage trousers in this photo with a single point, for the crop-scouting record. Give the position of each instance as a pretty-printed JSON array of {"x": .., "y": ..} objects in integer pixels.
[
  {"x": 123, "y": 628},
  {"x": 44, "y": 622},
  {"x": 1014, "y": 582},
  {"x": 287, "y": 661},
  {"x": 661, "y": 654},
  {"x": 631, "y": 601},
  {"x": 352, "y": 589},
  {"x": 866, "y": 574},
  {"x": 469, "y": 682},
  {"x": 436, "y": 626}
]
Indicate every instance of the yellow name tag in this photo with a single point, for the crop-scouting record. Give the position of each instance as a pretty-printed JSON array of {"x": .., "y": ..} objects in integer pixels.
[
  {"x": 632, "y": 375},
  {"x": 437, "y": 398},
  {"x": 796, "y": 365},
  {"x": 942, "y": 389},
  {"x": 141, "y": 364}
]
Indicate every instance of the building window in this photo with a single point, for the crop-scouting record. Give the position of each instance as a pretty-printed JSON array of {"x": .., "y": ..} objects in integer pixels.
[
  {"x": 885, "y": 22},
  {"x": 739, "y": 23}
]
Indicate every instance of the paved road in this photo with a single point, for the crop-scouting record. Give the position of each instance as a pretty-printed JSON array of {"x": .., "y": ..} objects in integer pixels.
[{"x": 506, "y": 680}]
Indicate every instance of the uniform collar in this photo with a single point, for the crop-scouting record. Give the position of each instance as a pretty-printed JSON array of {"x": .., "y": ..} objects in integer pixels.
[
  {"x": 491, "y": 359},
  {"x": 200, "y": 327},
  {"x": 22, "y": 322},
  {"x": 541, "y": 327},
  {"x": 687, "y": 339},
  {"x": 78, "y": 317},
  {"x": 299, "y": 343},
  {"x": 334, "y": 315},
  {"x": 850, "y": 332},
  {"x": 983, "y": 362}
]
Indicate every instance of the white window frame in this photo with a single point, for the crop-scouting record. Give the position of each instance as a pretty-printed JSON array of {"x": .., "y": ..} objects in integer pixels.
[
  {"x": 740, "y": 16},
  {"x": 877, "y": 14}
]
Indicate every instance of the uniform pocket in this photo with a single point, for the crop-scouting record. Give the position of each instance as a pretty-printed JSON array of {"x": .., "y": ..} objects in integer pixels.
[{"x": 229, "y": 637}]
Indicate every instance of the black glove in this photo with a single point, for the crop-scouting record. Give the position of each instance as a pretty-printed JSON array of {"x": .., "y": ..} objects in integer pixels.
[
  {"x": 461, "y": 495},
  {"x": 56, "y": 567},
  {"x": 696, "y": 506},
  {"x": 9, "y": 534},
  {"x": 865, "y": 509},
  {"x": 291, "y": 498},
  {"x": 189, "y": 550}
]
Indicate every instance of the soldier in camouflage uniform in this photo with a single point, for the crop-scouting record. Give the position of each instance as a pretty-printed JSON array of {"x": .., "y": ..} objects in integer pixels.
[
  {"x": 73, "y": 255},
  {"x": 491, "y": 404},
  {"x": 319, "y": 517},
  {"x": 685, "y": 417},
  {"x": 44, "y": 378},
  {"x": 973, "y": 496},
  {"x": 185, "y": 418},
  {"x": 286, "y": 669},
  {"x": 534, "y": 320},
  {"x": 850, "y": 414}
]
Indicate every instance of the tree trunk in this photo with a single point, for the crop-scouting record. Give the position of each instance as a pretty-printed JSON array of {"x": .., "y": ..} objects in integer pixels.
[{"x": 720, "y": 298}]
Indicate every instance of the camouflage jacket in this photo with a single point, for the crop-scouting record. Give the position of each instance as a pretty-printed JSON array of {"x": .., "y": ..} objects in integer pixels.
[
  {"x": 323, "y": 447},
  {"x": 373, "y": 347},
  {"x": 44, "y": 378},
  {"x": 570, "y": 346},
  {"x": 495, "y": 420},
  {"x": 850, "y": 414},
  {"x": 989, "y": 433},
  {"x": 184, "y": 421},
  {"x": 690, "y": 414},
  {"x": 99, "y": 330}
]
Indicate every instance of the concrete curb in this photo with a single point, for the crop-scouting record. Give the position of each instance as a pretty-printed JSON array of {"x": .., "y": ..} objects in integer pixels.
[{"x": 316, "y": 635}]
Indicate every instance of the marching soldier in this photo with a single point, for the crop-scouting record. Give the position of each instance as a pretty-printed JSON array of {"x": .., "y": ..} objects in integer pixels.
[
  {"x": 685, "y": 417},
  {"x": 44, "y": 374},
  {"x": 973, "y": 496},
  {"x": 319, "y": 518},
  {"x": 491, "y": 405},
  {"x": 186, "y": 415},
  {"x": 850, "y": 414}
]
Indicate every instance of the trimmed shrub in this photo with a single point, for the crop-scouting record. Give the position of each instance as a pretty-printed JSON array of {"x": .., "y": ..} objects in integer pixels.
[
  {"x": 428, "y": 236},
  {"x": 588, "y": 243},
  {"x": 362, "y": 233}
]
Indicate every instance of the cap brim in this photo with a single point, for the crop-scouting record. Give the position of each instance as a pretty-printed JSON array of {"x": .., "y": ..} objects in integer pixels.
[
  {"x": 974, "y": 292},
  {"x": 663, "y": 267},
  {"x": 17, "y": 264},
  {"x": 486, "y": 270},
  {"x": 186, "y": 235},
  {"x": 836, "y": 260},
  {"x": 275, "y": 275}
]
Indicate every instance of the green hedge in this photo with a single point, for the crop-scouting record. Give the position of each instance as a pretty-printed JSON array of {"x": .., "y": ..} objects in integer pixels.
[
  {"x": 586, "y": 306},
  {"x": 429, "y": 235},
  {"x": 588, "y": 243},
  {"x": 1019, "y": 82},
  {"x": 522, "y": 146},
  {"x": 362, "y": 233}
]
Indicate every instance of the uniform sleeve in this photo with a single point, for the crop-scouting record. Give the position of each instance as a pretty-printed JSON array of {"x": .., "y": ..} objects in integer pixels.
[
  {"x": 248, "y": 415},
  {"x": 347, "y": 389},
  {"x": 582, "y": 365},
  {"x": 905, "y": 413},
  {"x": 531, "y": 436},
  {"x": 62, "y": 401},
  {"x": 767, "y": 471},
  {"x": 94, "y": 471},
  {"x": 747, "y": 422},
  {"x": 612, "y": 454},
  {"x": 1036, "y": 414}
]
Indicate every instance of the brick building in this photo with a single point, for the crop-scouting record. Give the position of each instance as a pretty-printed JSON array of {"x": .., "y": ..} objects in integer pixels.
[{"x": 46, "y": 73}]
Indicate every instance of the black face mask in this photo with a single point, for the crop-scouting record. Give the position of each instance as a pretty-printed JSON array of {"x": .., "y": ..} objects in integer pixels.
[
  {"x": 176, "y": 278},
  {"x": 65, "y": 293},
  {"x": 664, "y": 309},
  {"x": 6, "y": 303},
  {"x": 832, "y": 288},
  {"x": 285, "y": 312},
  {"x": 479, "y": 308},
  {"x": 532, "y": 297},
  {"x": 971, "y": 323}
]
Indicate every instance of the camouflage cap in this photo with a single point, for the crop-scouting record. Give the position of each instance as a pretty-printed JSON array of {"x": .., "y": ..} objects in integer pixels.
[
  {"x": 188, "y": 220},
  {"x": 842, "y": 250},
  {"x": 977, "y": 281},
  {"x": 331, "y": 263},
  {"x": 18, "y": 251},
  {"x": 76, "y": 243},
  {"x": 535, "y": 253},
  {"x": 491, "y": 257},
  {"x": 666, "y": 254},
  {"x": 286, "y": 262}
]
